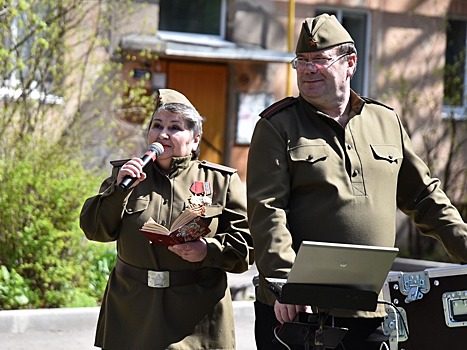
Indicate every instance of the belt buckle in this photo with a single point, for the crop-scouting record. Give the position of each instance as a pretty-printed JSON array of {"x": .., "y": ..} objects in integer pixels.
[{"x": 158, "y": 279}]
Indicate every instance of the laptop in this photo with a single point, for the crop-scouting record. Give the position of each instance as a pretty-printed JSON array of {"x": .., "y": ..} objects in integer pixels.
[{"x": 335, "y": 275}]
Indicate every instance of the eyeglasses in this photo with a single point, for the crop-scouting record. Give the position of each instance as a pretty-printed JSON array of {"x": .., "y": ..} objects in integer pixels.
[{"x": 300, "y": 63}]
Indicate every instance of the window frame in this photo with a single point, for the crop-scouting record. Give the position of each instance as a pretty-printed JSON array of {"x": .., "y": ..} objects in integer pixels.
[
  {"x": 10, "y": 88},
  {"x": 363, "y": 63},
  {"x": 457, "y": 112},
  {"x": 198, "y": 37}
]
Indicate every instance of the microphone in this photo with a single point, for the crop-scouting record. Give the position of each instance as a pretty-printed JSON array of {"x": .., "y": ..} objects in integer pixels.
[{"x": 154, "y": 151}]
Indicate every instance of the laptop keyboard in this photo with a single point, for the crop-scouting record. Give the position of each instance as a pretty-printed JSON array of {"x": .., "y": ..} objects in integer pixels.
[{"x": 276, "y": 284}]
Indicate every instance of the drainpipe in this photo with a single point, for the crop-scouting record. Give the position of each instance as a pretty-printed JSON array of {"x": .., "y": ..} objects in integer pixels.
[{"x": 290, "y": 43}]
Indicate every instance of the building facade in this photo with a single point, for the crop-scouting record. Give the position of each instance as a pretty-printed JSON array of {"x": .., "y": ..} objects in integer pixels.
[{"x": 231, "y": 58}]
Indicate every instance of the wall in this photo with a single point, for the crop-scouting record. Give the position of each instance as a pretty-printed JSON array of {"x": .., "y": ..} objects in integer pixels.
[{"x": 406, "y": 57}]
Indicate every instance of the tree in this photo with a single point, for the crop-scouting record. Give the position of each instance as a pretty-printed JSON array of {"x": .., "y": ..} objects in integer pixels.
[
  {"x": 57, "y": 73},
  {"x": 441, "y": 139}
]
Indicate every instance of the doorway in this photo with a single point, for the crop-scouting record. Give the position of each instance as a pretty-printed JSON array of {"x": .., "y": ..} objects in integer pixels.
[{"x": 205, "y": 85}]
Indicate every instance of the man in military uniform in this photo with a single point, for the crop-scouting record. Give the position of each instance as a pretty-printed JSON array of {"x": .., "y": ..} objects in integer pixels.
[{"x": 339, "y": 167}]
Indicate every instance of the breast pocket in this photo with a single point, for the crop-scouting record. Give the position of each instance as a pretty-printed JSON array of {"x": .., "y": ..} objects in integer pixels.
[
  {"x": 388, "y": 153},
  {"x": 136, "y": 205},
  {"x": 310, "y": 153}
]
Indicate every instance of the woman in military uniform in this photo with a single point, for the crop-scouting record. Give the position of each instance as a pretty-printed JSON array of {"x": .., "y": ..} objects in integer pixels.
[{"x": 174, "y": 297}]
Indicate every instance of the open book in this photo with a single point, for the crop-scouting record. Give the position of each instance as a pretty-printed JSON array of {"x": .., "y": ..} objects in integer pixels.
[{"x": 189, "y": 226}]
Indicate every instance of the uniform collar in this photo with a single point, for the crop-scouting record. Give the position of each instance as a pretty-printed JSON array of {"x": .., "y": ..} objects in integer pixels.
[
  {"x": 177, "y": 165},
  {"x": 356, "y": 104}
]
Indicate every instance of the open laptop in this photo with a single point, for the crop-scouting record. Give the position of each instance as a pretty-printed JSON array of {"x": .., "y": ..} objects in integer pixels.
[{"x": 335, "y": 275}]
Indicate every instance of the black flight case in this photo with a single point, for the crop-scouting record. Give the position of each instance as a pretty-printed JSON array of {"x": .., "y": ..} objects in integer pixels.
[{"x": 426, "y": 306}]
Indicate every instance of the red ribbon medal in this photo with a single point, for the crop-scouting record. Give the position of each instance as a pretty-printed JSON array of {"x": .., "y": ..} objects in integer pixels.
[
  {"x": 201, "y": 188},
  {"x": 202, "y": 191}
]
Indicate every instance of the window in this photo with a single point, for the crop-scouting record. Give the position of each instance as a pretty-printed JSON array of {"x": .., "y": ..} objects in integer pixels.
[
  {"x": 250, "y": 106},
  {"x": 28, "y": 56},
  {"x": 357, "y": 24},
  {"x": 455, "y": 79},
  {"x": 197, "y": 18}
]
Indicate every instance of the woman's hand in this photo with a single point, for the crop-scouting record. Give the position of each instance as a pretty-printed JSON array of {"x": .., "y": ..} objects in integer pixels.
[
  {"x": 191, "y": 251},
  {"x": 132, "y": 168}
]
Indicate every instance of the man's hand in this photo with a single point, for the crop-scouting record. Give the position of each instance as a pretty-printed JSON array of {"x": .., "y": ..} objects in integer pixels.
[{"x": 287, "y": 312}]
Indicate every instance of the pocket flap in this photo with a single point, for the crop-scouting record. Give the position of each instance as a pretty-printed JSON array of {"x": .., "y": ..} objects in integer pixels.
[
  {"x": 137, "y": 205},
  {"x": 308, "y": 153},
  {"x": 387, "y": 152}
]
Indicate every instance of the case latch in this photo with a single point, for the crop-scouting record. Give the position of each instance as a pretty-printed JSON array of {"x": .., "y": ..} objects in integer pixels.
[
  {"x": 414, "y": 285},
  {"x": 395, "y": 325},
  {"x": 455, "y": 308}
]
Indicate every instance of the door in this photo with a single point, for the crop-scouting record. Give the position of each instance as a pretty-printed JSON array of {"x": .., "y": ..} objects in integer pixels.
[{"x": 205, "y": 85}]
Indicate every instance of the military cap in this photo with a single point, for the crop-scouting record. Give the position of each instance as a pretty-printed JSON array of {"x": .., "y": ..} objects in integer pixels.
[
  {"x": 166, "y": 96},
  {"x": 321, "y": 32}
]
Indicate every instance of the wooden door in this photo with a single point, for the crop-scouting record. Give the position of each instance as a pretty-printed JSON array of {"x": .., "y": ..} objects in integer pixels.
[{"x": 205, "y": 85}]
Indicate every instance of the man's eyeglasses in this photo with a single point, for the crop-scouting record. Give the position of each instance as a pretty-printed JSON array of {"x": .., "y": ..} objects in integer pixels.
[{"x": 301, "y": 63}]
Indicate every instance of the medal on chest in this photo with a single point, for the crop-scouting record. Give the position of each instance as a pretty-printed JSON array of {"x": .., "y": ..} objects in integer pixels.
[{"x": 202, "y": 193}]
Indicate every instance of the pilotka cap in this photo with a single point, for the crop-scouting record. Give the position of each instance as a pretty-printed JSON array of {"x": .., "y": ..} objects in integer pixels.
[
  {"x": 166, "y": 96},
  {"x": 321, "y": 32}
]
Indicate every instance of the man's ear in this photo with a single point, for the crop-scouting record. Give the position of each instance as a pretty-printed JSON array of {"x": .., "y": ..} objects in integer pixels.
[
  {"x": 352, "y": 63},
  {"x": 196, "y": 141}
]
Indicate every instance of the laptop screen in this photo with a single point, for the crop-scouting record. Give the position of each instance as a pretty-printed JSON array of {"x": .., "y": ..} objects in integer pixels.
[{"x": 347, "y": 265}]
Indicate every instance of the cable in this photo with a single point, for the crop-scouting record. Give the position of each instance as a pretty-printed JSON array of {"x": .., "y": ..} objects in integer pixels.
[
  {"x": 406, "y": 329},
  {"x": 396, "y": 318},
  {"x": 398, "y": 312},
  {"x": 394, "y": 309},
  {"x": 385, "y": 346},
  {"x": 279, "y": 339}
]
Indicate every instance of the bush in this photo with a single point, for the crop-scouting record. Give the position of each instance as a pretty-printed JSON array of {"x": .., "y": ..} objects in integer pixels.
[
  {"x": 14, "y": 291},
  {"x": 46, "y": 260}
]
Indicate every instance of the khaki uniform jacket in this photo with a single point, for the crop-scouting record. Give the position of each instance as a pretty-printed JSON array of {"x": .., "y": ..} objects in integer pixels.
[
  {"x": 334, "y": 184},
  {"x": 134, "y": 316}
]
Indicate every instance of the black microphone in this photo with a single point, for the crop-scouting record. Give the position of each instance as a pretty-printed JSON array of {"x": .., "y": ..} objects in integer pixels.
[{"x": 154, "y": 151}]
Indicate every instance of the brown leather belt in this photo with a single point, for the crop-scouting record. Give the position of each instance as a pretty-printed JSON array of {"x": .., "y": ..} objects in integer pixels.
[{"x": 165, "y": 279}]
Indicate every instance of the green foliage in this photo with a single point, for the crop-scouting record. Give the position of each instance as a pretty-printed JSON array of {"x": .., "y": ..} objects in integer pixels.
[
  {"x": 57, "y": 68},
  {"x": 62, "y": 95},
  {"x": 103, "y": 256},
  {"x": 14, "y": 291},
  {"x": 46, "y": 259}
]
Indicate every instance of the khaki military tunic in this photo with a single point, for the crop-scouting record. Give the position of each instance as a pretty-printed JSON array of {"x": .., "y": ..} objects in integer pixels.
[
  {"x": 334, "y": 184},
  {"x": 134, "y": 316}
]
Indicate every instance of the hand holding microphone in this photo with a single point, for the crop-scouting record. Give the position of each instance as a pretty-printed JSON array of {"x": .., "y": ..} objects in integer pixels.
[{"x": 154, "y": 151}]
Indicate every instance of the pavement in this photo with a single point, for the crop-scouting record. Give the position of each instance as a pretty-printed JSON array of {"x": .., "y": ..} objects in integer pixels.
[{"x": 74, "y": 328}]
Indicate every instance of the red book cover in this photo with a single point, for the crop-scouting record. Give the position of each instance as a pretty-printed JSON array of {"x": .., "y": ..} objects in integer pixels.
[{"x": 189, "y": 231}]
